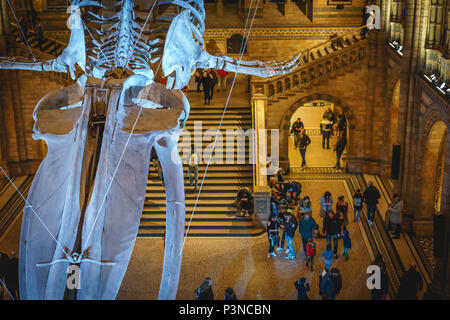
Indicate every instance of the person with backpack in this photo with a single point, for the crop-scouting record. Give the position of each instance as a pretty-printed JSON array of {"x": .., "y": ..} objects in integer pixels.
[
  {"x": 347, "y": 243},
  {"x": 302, "y": 288},
  {"x": 205, "y": 292},
  {"x": 296, "y": 129},
  {"x": 370, "y": 197},
  {"x": 310, "y": 253},
  {"x": 357, "y": 205}
]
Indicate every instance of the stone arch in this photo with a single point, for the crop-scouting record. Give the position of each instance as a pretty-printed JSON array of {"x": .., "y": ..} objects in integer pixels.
[{"x": 285, "y": 122}]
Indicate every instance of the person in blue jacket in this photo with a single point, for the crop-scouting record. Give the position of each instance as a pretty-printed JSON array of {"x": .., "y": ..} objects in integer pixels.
[
  {"x": 306, "y": 228},
  {"x": 328, "y": 256},
  {"x": 347, "y": 243}
]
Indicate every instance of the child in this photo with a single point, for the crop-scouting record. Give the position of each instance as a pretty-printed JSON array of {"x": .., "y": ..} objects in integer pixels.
[
  {"x": 357, "y": 205},
  {"x": 328, "y": 256},
  {"x": 310, "y": 252},
  {"x": 347, "y": 243}
]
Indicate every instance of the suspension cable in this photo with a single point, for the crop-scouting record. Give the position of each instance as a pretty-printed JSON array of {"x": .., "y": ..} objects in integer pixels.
[{"x": 241, "y": 53}]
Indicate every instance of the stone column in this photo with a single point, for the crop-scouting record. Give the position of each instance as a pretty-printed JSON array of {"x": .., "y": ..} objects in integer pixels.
[{"x": 261, "y": 192}]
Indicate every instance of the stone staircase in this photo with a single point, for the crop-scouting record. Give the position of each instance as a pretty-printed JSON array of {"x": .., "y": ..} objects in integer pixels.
[
  {"x": 214, "y": 215},
  {"x": 327, "y": 60}
]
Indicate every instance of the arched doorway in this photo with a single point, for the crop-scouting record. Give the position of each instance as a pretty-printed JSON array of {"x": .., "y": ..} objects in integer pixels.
[
  {"x": 318, "y": 159},
  {"x": 432, "y": 176}
]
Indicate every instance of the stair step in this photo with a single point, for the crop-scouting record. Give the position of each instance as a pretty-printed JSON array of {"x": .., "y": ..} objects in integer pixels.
[{"x": 207, "y": 233}]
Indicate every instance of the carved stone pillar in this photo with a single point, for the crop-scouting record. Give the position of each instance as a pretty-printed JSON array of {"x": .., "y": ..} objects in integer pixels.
[{"x": 435, "y": 24}]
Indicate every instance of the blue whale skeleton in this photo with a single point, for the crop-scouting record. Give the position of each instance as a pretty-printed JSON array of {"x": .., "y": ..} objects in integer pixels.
[{"x": 84, "y": 208}]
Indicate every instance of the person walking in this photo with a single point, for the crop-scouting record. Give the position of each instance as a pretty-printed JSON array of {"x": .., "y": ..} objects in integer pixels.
[
  {"x": 332, "y": 228},
  {"x": 339, "y": 149},
  {"x": 273, "y": 229},
  {"x": 222, "y": 80},
  {"x": 357, "y": 205},
  {"x": 337, "y": 280},
  {"x": 302, "y": 288},
  {"x": 396, "y": 209},
  {"x": 193, "y": 168},
  {"x": 325, "y": 130},
  {"x": 290, "y": 226},
  {"x": 205, "y": 291},
  {"x": 310, "y": 253},
  {"x": 306, "y": 228},
  {"x": 410, "y": 283},
  {"x": 328, "y": 256},
  {"x": 347, "y": 243},
  {"x": 296, "y": 129},
  {"x": 304, "y": 141},
  {"x": 371, "y": 196},
  {"x": 342, "y": 209}
]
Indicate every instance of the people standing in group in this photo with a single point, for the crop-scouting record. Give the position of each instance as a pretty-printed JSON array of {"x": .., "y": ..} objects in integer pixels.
[
  {"x": 325, "y": 130},
  {"x": 198, "y": 78},
  {"x": 306, "y": 227},
  {"x": 332, "y": 229},
  {"x": 342, "y": 209},
  {"x": 339, "y": 149},
  {"x": 293, "y": 190},
  {"x": 194, "y": 160},
  {"x": 273, "y": 230},
  {"x": 326, "y": 204},
  {"x": 357, "y": 205},
  {"x": 222, "y": 85},
  {"x": 371, "y": 196},
  {"x": 205, "y": 292},
  {"x": 302, "y": 288},
  {"x": 410, "y": 283},
  {"x": 296, "y": 128},
  {"x": 290, "y": 226},
  {"x": 328, "y": 256},
  {"x": 396, "y": 208},
  {"x": 303, "y": 141},
  {"x": 347, "y": 243},
  {"x": 310, "y": 253}
]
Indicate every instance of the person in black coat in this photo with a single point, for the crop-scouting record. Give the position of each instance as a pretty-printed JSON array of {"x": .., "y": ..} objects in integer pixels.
[
  {"x": 302, "y": 288},
  {"x": 380, "y": 294},
  {"x": 207, "y": 83},
  {"x": 410, "y": 283},
  {"x": 370, "y": 197},
  {"x": 332, "y": 228},
  {"x": 339, "y": 148},
  {"x": 205, "y": 291}
]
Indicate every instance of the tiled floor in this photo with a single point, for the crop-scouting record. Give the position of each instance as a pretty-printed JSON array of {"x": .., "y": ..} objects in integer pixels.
[{"x": 243, "y": 264}]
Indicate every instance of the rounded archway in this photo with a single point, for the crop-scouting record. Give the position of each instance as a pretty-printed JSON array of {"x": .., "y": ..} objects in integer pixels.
[
  {"x": 320, "y": 155},
  {"x": 432, "y": 175}
]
